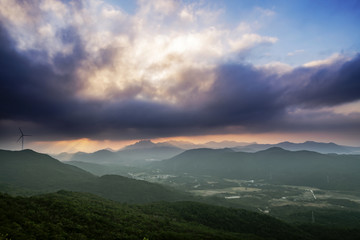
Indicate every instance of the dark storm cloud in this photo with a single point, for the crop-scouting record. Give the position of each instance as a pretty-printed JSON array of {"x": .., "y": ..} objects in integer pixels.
[
  {"x": 327, "y": 86},
  {"x": 44, "y": 94},
  {"x": 32, "y": 91},
  {"x": 241, "y": 96}
]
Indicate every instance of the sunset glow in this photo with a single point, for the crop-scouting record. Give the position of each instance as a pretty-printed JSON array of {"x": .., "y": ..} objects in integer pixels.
[{"x": 87, "y": 75}]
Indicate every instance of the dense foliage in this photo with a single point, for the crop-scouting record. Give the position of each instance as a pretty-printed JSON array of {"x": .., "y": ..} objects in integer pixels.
[
  {"x": 324, "y": 216},
  {"x": 68, "y": 215}
]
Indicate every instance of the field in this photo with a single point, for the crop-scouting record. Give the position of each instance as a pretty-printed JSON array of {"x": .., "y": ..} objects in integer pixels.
[{"x": 286, "y": 202}]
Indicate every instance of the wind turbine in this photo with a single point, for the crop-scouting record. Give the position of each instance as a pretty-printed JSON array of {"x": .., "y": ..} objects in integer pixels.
[{"x": 22, "y": 138}]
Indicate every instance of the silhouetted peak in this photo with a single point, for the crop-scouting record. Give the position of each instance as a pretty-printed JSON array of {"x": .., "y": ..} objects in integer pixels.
[
  {"x": 207, "y": 150},
  {"x": 330, "y": 144},
  {"x": 28, "y": 151},
  {"x": 141, "y": 144},
  {"x": 103, "y": 151},
  {"x": 316, "y": 143},
  {"x": 273, "y": 150}
]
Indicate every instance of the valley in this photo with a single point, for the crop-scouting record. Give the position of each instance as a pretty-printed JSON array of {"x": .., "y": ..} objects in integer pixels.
[
  {"x": 186, "y": 186},
  {"x": 296, "y": 186},
  {"x": 259, "y": 196}
]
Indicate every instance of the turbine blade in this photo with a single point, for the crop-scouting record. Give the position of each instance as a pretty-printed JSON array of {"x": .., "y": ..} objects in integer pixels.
[
  {"x": 19, "y": 138},
  {"x": 21, "y": 132}
]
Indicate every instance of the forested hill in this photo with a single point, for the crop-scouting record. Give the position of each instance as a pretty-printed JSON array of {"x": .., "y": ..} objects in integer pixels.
[
  {"x": 31, "y": 172},
  {"x": 67, "y": 215},
  {"x": 276, "y": 165},
  {"x": 29, "y": 169}
]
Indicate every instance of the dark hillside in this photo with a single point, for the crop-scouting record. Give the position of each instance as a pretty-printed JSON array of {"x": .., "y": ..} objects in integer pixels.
[
  {"x": 275, "y": 165},
  {"x": 27, "y": 171}
]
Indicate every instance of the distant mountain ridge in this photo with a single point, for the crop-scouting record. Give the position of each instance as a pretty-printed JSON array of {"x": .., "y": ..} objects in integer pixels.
[
  {"x": 132, "y": 155},
  {"x": 320, "y": 147},
  {"x": 211, "y": 144},
  {"x": 308, "y": 145},
  {"x": 146, "y": 150},
  {"x": 146, "y": 144}
]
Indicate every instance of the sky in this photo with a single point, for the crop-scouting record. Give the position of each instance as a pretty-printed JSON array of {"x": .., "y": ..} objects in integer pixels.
[{"x": 85, "y": 75}]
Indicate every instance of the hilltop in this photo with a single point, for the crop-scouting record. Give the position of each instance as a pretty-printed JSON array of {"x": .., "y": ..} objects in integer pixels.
[{"x": 31, "y": 172}]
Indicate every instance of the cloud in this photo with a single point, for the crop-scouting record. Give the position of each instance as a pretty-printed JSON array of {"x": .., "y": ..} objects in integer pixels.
[
  {"x": 265, "y": 12},
  {"x": 121, "y": 56},
  {"x": 330, "y": 84},
  {"x": 100, "y": 73},
  {"x": 296, "y": 52},
  {"x": 332, "y": 59},
  {"x": 278, "y": 68},
  {"x": 248, "y": 41},
  {"x": 164, "y": 7},
  {"x": 310, "y": 120}
]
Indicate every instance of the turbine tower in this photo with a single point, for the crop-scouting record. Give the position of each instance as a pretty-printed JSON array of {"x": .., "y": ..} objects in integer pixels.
[{"x": 22, "y": 138}]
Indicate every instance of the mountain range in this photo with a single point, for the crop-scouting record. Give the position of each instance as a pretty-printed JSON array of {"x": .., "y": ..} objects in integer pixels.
[
  {"x": 132, "y": 155},
  {"x": 254, "y": 147},
  {"x": 275, "y": 165},
  {"x": 81, "y": 215},
  {"x": 146, "y": 151},
  {"x": 308, "y": 145}
]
